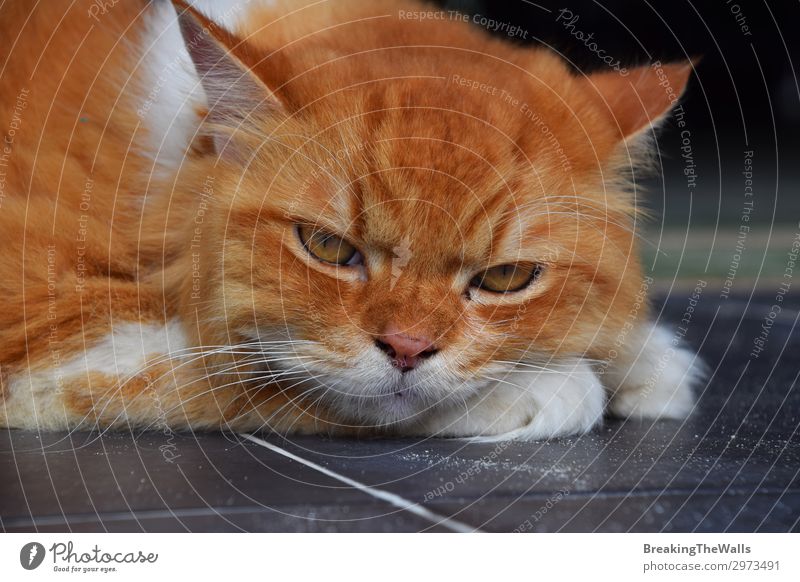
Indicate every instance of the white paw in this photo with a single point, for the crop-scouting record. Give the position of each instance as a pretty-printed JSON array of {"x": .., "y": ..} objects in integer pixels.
[
  {"x": 528, "y": 404},
  {"x": 656, "y": 380}
]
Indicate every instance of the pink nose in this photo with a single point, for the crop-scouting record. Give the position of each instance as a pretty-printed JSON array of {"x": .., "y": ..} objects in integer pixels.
[{"x": 405, "y": 351}]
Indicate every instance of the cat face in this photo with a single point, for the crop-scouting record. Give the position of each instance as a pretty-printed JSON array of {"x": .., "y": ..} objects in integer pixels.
[
  {"x": 409, "y": 283},
  {"x": 415, "y": 239}
]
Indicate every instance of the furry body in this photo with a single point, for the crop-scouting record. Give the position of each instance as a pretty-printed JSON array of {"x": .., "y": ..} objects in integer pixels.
[{"x": 152, "y": 189}]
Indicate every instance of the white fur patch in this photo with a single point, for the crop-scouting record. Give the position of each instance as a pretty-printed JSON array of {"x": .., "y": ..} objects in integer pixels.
[
  {"x": 528, "y": 405},
  {"x": 656, "y": 379},
  {"x": 228, "y": 13},
  {"x": 170, "y": 93},
  {"x": 34, "y": 399}
]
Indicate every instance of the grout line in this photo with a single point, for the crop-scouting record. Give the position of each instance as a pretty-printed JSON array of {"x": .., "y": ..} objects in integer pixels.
[
  {"x": 390, "y": 498},
  {"x": 69, "y": 519}
]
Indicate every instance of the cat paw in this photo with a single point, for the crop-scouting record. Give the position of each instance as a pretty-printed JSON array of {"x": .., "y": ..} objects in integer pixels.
[
  {"x": 657, "y": 380},
  {"x": 528, "y": 405}
]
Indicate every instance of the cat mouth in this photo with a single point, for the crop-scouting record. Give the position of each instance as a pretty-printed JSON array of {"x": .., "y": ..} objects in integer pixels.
[
  {"x": 397, "y": 406},
  {"x": 402, "y": 393},
  {"x": 388, "y": 398}
]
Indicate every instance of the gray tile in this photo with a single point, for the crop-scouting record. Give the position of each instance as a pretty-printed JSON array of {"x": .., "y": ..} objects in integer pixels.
[{"x": 122, "y": 482}]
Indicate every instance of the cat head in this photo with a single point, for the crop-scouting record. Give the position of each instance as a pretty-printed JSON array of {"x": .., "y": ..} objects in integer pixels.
[{"x": 408, "y": 222}]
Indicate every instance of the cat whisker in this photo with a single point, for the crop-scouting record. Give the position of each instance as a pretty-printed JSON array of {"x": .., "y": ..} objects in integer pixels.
[
  {"x": 291, "y": 401},
  {"x": 113, "y": 391},
  {"x": 246, "y": 390}
]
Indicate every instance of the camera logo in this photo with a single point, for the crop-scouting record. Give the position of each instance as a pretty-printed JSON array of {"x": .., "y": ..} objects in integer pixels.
[{"x": 31, "y": 555}]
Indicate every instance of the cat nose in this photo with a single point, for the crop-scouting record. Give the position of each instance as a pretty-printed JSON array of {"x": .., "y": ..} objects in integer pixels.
[{"x": 404, "y": 350}]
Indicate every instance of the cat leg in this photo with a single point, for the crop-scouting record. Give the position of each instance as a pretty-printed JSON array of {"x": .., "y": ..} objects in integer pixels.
[
  {"x": 527, "y": 404},
  {"x": 652, "y": 375},
  {"x": 125, "y": 378}
]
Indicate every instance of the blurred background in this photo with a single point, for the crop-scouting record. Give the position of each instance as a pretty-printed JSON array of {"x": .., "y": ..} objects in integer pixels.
[{"x": 744, "y": 97}]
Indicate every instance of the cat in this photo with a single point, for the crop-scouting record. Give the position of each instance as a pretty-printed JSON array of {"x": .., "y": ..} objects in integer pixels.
[{"x": 342, "y": 217}]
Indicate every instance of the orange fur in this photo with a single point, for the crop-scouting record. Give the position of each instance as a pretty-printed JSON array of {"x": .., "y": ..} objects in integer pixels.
[{"x": 365, "y": 129}]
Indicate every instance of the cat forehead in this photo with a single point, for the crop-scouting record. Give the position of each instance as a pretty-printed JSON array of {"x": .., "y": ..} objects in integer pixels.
[
  {"x": 450, "y": 227},
  {"x": 441, "y": 188},
  {"x": 430, "y": 163},
  {"x": 410, "y": 169}
]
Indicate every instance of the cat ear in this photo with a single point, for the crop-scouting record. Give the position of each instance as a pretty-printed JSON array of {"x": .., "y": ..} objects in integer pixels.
[
  {"x": 225, "y": 67},
  {"x": 644, "y": 96}
]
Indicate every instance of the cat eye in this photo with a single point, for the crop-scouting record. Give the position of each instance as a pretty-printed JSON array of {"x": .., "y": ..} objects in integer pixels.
[
  {"x": 327, "y": 247},
  {"x": 507, "y": 278}
]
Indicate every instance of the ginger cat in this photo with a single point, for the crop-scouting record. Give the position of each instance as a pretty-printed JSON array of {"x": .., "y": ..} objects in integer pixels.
[{"x": 321, "y": 217}]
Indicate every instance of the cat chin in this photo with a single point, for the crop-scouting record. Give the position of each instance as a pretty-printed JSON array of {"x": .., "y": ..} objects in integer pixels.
[{"x": 397, "y": 409}]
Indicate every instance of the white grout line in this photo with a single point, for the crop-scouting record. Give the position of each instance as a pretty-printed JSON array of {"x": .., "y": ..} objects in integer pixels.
[{"x": 390, "y": 498}]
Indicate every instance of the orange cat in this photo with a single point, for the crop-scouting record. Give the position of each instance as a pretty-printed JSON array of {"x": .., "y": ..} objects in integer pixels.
[{"x": 338, "y": 217}]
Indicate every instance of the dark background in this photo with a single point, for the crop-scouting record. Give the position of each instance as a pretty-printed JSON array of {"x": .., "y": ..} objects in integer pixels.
[
  {"x": 741, "y": 80},
  {"x": 743, "y": 96}
]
